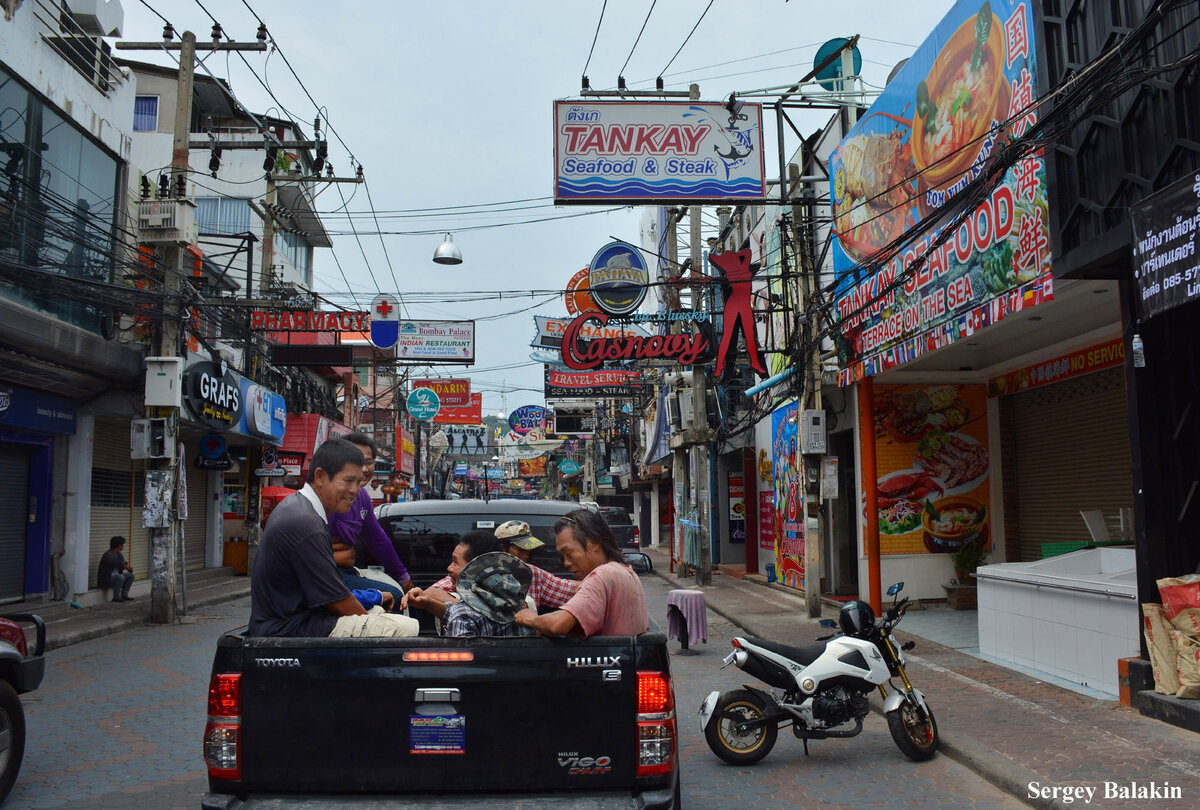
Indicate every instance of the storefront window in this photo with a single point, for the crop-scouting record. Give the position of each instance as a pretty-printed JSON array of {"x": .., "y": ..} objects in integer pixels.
[{"x": 58, "y": 192}]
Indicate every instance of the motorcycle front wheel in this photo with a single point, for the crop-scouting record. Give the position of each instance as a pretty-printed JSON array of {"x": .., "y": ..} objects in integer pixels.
[
  {"x": 916, "y": 738},
  {"x": 744, "y": 747}
]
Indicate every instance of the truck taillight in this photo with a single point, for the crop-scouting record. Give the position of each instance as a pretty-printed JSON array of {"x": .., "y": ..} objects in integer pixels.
[
  {"x": 637, "y": 533},
  {"x": 222, "y": 734},
  {"x": 656, "y": 724}
]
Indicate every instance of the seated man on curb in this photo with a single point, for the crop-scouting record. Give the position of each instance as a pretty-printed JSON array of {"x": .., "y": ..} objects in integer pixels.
[
  {"x": 295, "y": 590},
  {"x": 491, "y": 589},
  {"x": 114, "y": 572},
  {"x": 547, "y": 590},
  {"x": 442, "y": 593}
]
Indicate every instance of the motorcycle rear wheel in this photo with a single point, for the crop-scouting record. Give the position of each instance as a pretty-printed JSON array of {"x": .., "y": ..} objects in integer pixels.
[
  {"x": 739, "y": 748},
  {"x": 916, "y": 738}
]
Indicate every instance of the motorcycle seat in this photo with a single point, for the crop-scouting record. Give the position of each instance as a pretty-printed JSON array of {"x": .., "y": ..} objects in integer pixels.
[{"x": 801, "y": 655}]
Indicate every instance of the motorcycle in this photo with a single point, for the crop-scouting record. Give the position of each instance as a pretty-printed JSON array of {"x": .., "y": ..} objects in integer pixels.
[{"x": 821, "y": 688}]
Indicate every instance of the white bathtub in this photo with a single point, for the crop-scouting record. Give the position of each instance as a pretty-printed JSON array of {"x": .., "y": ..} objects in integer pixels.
[{"x": 1071, "y": 616}]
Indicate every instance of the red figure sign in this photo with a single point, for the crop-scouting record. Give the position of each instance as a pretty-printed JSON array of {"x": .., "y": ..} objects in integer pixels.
[{"x": 738, "y": 312}]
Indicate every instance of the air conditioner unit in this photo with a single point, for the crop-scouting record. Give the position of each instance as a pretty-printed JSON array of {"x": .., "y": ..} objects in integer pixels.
[{"x": 171, "y": 222}]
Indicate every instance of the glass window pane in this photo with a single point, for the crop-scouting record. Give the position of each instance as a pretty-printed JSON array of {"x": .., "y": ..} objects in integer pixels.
[
  {"x": 208, "y": 214},
  {"x": 145, "y": 113},
  {"x": 235, "y": 216}
]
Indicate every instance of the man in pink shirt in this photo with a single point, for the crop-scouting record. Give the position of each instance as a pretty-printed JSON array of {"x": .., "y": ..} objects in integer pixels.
[{"x": 610, "y": 600}]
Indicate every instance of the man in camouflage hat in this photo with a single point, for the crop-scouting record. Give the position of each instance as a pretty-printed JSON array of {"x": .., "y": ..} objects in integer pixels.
[
  {"x": 547, "y": 590},
  {"x": 491, "y": 589}
]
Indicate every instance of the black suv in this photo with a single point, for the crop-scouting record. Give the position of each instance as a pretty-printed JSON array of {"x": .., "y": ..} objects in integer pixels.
[{"x": 618, "y": 519}]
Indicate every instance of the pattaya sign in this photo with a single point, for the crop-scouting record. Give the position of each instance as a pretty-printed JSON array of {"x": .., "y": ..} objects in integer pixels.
[
  {"x": 454, "y": 392},
  {"x": 968, "y": 88},
  {"x": 686, "y": 348},
  {"x": 275, "y": 320},
  {"x": 1065, "y": 366},
  {"x": 619, "y": 151},
  {"x": 617, "y": 279}
]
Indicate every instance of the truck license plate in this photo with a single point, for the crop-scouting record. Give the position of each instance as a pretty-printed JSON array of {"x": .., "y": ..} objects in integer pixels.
[{"x": 437, "y": 734}]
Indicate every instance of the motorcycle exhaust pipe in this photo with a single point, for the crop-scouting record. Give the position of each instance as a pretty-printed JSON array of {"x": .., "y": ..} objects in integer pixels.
[{"x": 823, "y": 735}]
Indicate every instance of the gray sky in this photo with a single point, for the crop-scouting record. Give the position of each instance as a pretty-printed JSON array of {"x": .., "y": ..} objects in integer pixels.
[{"x": 449, "y": 103}]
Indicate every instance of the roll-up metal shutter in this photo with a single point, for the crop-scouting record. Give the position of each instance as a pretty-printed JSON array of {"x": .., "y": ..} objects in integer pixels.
[
  {"x": 14, "y": 520},
  {"x": 1070, "y": 453},
  {"x": 117, "y": 495},
  {"x": 194, "y": 528}
]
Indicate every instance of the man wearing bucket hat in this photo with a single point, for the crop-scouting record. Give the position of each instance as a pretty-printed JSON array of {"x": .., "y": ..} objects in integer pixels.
[
  {"x": 491, "y": 589},
  {"x": 547, "y": 590}
]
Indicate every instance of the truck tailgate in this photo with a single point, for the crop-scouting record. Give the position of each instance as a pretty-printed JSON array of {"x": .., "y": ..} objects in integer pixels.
[{"x": 382, "y": 715}]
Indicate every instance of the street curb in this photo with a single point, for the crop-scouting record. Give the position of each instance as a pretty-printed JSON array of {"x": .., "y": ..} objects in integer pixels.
[
  {"x": 69, "y": 638},
  {"x": 965, "y": 751}
]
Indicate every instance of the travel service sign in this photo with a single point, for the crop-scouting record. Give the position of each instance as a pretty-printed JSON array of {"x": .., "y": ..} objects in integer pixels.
[
  {"x": 619, "y": 151},
  {"x": 968, "y": 89}
]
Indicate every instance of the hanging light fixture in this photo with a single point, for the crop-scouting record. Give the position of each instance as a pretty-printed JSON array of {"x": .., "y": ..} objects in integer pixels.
[{"x": 448, "y": 252}]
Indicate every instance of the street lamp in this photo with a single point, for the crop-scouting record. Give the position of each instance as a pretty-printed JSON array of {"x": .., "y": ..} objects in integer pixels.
[
  {"x": 487, "y": 481},
  {"x": 448, "y": 252}
]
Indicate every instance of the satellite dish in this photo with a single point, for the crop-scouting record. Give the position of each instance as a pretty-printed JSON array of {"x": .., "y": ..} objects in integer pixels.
[
  {"x": 899, "y": 67},
  {"x": 833, "y": 71}
]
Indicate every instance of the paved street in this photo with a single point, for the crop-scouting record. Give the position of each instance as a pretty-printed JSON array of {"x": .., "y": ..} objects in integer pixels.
[{"x": 118, "y": 722}]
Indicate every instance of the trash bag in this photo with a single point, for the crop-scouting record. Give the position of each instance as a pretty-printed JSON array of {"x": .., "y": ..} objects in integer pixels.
[
  {"x": 1164, "y": 660},
  {"x": 1179, "y": 593},
  {"x": 1187, "y": 651}
]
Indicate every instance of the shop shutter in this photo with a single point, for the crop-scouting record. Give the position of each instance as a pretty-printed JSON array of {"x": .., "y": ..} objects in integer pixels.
[
  {"x": 14, "y": 483},
  {"x": 1071, "y": 453},
  {"x": 195, "y": 527},
  {"x": 117, "y": 494}
]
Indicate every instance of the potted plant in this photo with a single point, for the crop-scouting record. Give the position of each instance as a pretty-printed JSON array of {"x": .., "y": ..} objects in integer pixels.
[{"x": 966, "y": 559}]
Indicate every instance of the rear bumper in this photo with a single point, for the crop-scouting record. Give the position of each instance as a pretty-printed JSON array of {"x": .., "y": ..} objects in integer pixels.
[
  {"x": 33, "y": 669},
  {"x": 649, "y": 800}
]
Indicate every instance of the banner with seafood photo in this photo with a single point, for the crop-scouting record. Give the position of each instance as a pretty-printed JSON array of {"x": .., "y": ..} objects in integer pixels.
[
  {"x": 931, "y": 456},
  {"x": 970, "y": 86},
  {"x": 789, "y": 497}
]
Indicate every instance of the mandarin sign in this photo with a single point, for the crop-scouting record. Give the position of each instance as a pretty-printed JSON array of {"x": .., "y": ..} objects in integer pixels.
[{"x": 454, "y": 392}]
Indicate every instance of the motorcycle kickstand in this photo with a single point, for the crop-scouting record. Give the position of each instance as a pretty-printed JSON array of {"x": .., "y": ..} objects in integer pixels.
[{"x": 805, "y": 746}]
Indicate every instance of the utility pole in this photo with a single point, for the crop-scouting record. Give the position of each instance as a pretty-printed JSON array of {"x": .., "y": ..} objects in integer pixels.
[
  {"x": 810, "y": 398},
  {"x": 164, "y": 540}
]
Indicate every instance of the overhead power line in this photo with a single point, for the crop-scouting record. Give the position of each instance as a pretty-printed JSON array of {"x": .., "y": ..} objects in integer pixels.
[
  {"x": 594, "y": 38},
  {"x": 621, "y": 72},
  {"x": 688, "y": 37}
]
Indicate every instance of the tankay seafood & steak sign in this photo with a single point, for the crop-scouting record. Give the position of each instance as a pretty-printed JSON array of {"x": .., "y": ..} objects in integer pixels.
[
  {"x": 969, "y": 87},
  {"x": 619, "y": 151}
]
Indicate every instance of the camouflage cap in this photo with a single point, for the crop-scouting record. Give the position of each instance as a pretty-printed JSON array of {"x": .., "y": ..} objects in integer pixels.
[
  {"x": 517, "y": 532},
  {"x": 495, "y": 584}
]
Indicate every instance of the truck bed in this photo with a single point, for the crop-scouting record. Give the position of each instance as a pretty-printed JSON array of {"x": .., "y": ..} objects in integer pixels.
[{"x": 530, "y": 721}]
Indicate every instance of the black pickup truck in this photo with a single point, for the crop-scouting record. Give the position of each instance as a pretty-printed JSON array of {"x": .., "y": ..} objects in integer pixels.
[
  {"x": 528, "y": 722},
  {"x": 20, "y": 672}
]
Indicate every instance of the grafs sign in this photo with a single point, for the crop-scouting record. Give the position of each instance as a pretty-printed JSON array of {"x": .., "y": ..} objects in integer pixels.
[{"x": 214, "y": 395}]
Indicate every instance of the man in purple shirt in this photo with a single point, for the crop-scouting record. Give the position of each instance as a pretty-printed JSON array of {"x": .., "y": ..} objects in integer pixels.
[{"x": 360, "y": 523}]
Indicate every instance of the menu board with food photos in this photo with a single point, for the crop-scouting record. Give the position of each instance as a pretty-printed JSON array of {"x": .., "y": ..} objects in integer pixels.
[{"x": 931, "y": 451}]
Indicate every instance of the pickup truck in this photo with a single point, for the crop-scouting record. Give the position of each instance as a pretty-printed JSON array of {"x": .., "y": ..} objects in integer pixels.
[
  {"x": 528, "y": 722},
  {"x": 20, "y": 672}
]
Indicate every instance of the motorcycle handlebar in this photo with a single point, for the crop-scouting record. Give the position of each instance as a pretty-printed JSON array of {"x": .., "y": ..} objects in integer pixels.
[{"x": 897, "y": 610}]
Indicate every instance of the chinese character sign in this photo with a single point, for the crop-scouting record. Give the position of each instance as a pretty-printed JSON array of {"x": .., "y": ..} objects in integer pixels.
[{"x": 969, "y": 88}]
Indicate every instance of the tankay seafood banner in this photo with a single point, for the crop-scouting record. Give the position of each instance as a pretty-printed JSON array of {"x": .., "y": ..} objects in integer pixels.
[
  {"x": 931, "y": 455},
  {"x": 657, "y": 151},
  {"x": 968, "y": 87}
]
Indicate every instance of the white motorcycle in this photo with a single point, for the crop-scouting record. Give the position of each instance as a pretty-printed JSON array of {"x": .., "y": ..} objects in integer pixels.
[{"x": 820, "y": 688}]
